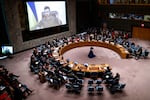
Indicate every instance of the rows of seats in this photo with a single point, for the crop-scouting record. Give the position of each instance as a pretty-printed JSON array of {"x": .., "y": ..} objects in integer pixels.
[
  {"x": 119, "y": 37},
  {"x": 57, "y": 72},
  {"x": 135, "y": 50},
  {"x": 48, "y": 68},
  {"x": 74, "y": 85},
  {"x": 95, "y": 85},
  {"x": 113, "y": 82},
  {"x": 9, "y": 82}
]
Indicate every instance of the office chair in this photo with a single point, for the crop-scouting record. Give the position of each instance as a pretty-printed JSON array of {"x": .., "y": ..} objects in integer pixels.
[
  {"x": 99, "y": 88},
  {"x": 76, "y": 88},
  {"x": 121, "y": 87},
  {"x": 98, "y": 82},
  {"x": 90, "y": 89},
  {"x": 68, "y": 87},
  {"x": 145, "y": 54},
  {"x": 90, "y": 82}
]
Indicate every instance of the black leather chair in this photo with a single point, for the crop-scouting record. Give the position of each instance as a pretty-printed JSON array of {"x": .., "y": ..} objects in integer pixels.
[
  {"x": 99, "y": 89},
  {"x": 98, "y": 82},
  {"x": 72, "y": 80},
  {"x": 69, "y": 87},
  {"x": 76, "y": 88},
  {"x": 145, "y": 54},
  {"x": 94, "y": 75},
  {"x": 90, "y": 82},
  {"x": 120, "y": 87},
  {"x": 80, "y": 81},
  {"x": 116, "y": 88},
  {"x": 90, "y": 89},
  {"x": 80, "y": 74}
]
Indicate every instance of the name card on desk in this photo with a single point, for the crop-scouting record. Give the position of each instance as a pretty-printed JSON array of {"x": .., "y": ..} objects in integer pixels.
[{"x": 70, "y": 65}]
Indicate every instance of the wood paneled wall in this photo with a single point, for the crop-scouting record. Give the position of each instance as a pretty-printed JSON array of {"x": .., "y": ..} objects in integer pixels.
[
  {"x": 120, "y": 24},
  {"x": 141, "y": 33}
]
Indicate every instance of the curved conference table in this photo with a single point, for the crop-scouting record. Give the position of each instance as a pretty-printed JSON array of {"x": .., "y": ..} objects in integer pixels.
[
  {"x": 91, "y": 67},
  {"x": 117, "y": 48}
]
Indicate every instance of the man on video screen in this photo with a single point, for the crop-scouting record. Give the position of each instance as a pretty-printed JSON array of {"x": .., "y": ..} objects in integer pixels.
[{"x": 49, "y": 19}]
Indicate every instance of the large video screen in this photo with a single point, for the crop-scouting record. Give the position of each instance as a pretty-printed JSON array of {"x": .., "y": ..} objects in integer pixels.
[
  {"x": 7, "y": 50},
  {"x": 46, "y": 14}
]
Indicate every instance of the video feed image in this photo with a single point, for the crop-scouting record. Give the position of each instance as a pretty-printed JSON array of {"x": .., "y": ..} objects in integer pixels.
[
  {"x": 46, "y": 14},
  {"x": 7, "y": 50},
  {"x": 147, "y": 18}
]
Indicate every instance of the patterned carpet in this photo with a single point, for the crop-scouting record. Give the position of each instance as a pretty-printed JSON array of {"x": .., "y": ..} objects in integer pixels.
[{"x": 80, "y": 55}]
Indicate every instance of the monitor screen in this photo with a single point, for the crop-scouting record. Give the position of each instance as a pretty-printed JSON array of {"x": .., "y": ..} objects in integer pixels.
[
  {"x": 46, "y": 14},
  {"x": 7, "y": 50}
]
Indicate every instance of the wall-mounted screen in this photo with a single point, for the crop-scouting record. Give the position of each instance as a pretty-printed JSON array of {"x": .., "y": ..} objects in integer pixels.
[
  {"x": 7, "y": 50},
  {"x": 46, "y": 14},
  {"x": 147, "y": 18}
]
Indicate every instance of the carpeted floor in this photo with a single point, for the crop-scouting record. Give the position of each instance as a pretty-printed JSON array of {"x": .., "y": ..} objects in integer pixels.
[{"x": 135, "y": 73}]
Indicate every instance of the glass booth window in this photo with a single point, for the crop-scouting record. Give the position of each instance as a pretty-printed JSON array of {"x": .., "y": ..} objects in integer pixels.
[
  {"x": 129, "y": 16},
  {"x": 124, "y": 1}
]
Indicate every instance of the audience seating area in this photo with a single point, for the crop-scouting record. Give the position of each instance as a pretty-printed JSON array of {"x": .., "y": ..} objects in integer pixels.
[
  {"x": 10, "y": 86},
  {"x": 50, "y": 66},
  {"x": 48, "y": 63},
  {"x": 95, "y": 86}
]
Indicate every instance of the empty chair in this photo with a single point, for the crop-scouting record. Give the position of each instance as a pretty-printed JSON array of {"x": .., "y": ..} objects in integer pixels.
[
  {"x": 116, "y": 88},
  {"x": 80, "y": 74},
  {"x": 66, "y": 70},
  {"x": 76, "y": 88},
  {"x": 90, "y": 89},
  {"x": 90, "y": 82},
  {"x": 94, "y": 75},
  {"x": 72, "y": 80},
  {"x": 98, "y": 82},
  {"x": 145, "y": 54},
  {"x": 120, "y": 87},
  {"x": 99, "y": 88},
  {"x": 80, "y": 81},
  {"x": 68, "y": 87}
]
